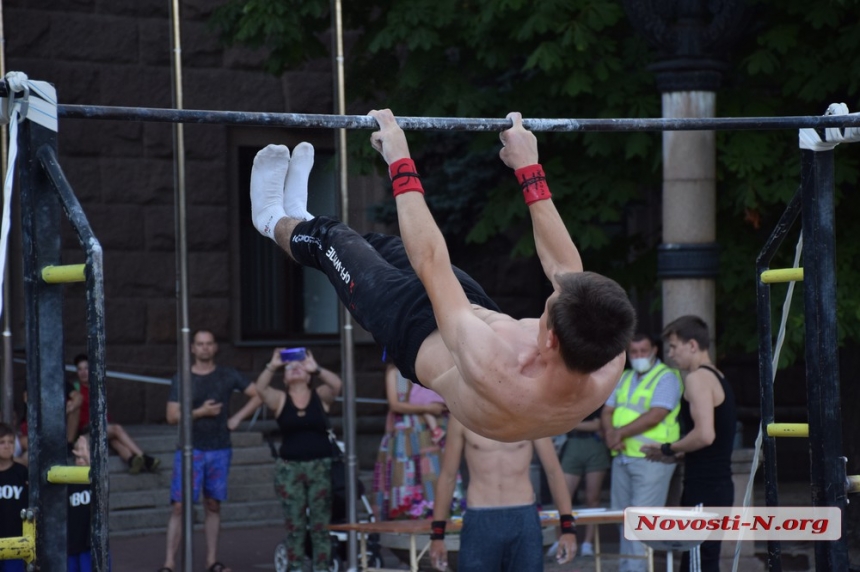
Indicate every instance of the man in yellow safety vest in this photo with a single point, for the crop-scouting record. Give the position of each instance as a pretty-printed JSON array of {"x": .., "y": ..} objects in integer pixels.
[{"x": 643, "y": 410}]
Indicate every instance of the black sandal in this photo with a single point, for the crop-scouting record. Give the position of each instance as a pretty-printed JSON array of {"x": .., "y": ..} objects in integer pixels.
[{"x": 216, "y": 567}]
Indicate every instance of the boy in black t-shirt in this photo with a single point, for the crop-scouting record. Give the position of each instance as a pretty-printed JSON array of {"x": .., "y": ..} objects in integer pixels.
[
  {"x": 78, "y": 539},
  {"x": 13, "y": 494}
]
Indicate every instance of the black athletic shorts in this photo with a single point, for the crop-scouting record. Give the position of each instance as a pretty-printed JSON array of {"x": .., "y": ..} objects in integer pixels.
[{"x": 376, "y": 283}]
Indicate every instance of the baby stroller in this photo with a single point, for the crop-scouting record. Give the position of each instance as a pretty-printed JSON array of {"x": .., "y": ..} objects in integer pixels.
[{"x": 339, "y": 540}]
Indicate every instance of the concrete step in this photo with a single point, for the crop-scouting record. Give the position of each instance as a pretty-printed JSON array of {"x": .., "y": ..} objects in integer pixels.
[
  {"x": 245, "y": 455},
  {"x": 141, "y": 519},
  {"x": 140, "y": 504},
  {"x": 150, "y": 498},
  {"x": 127, "y": 521},
  {"x": 164, "y": 438},
  {"x": 257, "y": 474},
  {"x": 161, "y": 497},
  {"x": 123, "y": 482}
]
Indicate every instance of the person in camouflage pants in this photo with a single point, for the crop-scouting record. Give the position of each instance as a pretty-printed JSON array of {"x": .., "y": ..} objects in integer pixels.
[{"x": 304, "y": 485}]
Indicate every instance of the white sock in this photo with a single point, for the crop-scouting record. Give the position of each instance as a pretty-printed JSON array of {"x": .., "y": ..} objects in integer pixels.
[
  {"x": 296, "y": 186},
  {"x": 267, "y": 188}
]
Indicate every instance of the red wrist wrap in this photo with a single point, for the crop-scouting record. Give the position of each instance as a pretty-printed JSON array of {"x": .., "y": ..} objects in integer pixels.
[
  {"x": 533, "y": 182},
  {"x": 437, "y": 529},
  {"x": 568, "y": 524},
  {"x": 404, "y": 177}
]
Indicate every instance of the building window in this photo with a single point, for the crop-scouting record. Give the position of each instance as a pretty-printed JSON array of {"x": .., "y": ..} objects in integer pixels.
[{"x": 280, "y": 300}]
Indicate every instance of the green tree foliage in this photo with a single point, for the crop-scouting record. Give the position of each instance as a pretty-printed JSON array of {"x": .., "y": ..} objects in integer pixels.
[{"x": 581, "y": 58}]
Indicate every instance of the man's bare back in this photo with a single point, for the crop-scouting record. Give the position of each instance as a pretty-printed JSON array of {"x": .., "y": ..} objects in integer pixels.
[{"x": 529, "y": 400}]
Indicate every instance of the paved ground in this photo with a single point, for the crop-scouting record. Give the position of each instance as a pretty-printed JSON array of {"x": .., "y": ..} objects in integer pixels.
[
  {"x": 252, "y": 549},
  {"x": 243, "y": 549}
]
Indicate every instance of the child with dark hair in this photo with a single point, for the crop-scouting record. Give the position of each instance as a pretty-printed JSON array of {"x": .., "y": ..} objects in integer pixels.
[
  {"x": 118, "y": 439},
  {"x": 78, "y": 541},
  {"x": 13, "y": 494}
]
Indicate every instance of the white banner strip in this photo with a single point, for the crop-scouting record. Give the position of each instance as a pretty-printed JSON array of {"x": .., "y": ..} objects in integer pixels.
[{"x": 689, "y": 526}]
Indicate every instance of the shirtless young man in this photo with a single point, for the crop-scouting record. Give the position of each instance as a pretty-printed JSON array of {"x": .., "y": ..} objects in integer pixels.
[
  {"x": 501, "y": 527},
  {"x": 505, "y": 379}
]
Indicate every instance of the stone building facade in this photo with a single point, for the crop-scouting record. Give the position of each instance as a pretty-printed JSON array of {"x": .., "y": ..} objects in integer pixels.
[{"x": 100, "y": 52}]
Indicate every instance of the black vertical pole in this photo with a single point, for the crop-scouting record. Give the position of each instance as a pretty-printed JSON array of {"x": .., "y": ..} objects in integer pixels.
[
  {"x": 95, "y": 352},
  {"x": 46, "y": 403},
  {"x": 765, "y": 367},
  {"x": 822, "y": 367}
]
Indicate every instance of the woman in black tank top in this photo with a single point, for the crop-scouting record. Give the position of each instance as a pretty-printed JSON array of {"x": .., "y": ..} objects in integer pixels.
[
  {"x": 303, "y": 467},
  {"x": 708, "y": 440}
]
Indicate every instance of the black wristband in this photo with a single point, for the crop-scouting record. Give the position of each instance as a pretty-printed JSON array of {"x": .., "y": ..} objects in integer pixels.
[
  {"x": 666, "y": 449},
  {"x": 437, "y": 529},
  {"x": 568, "y": 524}
]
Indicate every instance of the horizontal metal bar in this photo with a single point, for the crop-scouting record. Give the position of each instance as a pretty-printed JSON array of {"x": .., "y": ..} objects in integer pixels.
[
  {"x": 780, "y": 275},
  {"x": 788, "y": 430},
  {"x": 130, "y": 376},
  {"x": 62, "y": 475},
  {"x": 167, "y": 381},
  {"x": 64, "y": 274},
  {"x": 320, "y": 121}
]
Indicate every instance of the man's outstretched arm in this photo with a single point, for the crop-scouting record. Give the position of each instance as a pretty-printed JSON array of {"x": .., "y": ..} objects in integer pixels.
[
  {"x": 422, "y": 238},
  {"x": 428, "y": 253},
  {"x": 555, "y": 248}
]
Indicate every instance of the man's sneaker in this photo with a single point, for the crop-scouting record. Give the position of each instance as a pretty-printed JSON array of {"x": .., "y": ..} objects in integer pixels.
[
  {"x": 586, "y": 549},
  {"x": 151, "y": 463},
  {"x": 135, "y": 464},
  {"x": 552, "y": 550}
]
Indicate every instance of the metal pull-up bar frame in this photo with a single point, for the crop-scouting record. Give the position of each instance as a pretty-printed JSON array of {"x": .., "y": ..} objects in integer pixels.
[
  {"x": 44, "y": 302},
  {"x": 814, "y": 203},
  {"x": 322, "y": 121},
  {"x": 44, "y": 193}
]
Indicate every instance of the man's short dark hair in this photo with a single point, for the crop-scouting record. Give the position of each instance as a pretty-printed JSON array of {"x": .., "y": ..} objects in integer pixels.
[
  {"x": 688, "y": 328},
  {"x": 641, "y": 336},
  {"x": 79, "y": 358},
  {"x": 201, "y": 331},
  {"x": 6, "y": 429},
  {"x": 592, "y": 318}
]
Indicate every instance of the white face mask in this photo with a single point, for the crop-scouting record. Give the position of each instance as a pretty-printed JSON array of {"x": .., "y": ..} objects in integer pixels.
[{"x": 641, "y": 364}]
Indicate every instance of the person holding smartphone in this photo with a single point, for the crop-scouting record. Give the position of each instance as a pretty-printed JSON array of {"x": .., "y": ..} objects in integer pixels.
[
  {"x": 212, "y": 387},
  {"x": 303, "y": 467}
]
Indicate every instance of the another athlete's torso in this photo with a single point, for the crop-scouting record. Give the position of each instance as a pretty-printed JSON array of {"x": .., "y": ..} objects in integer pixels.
[
  {"x": 523, "y": 402},
  {"x": 498, "y": 472}
]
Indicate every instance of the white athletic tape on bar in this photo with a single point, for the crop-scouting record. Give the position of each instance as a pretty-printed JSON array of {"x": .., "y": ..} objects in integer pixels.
[
  {"x": 833, "y": 136},
  {"x": 38, "y": 104}
]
